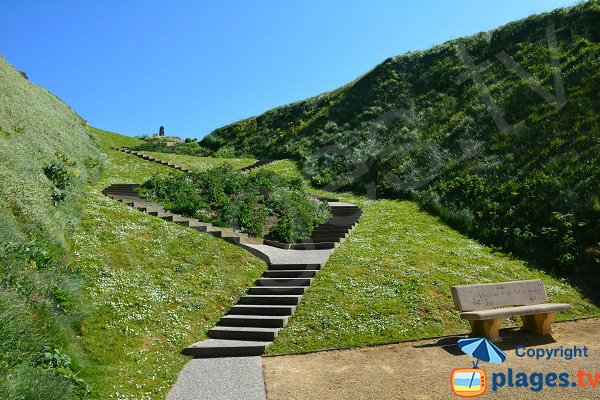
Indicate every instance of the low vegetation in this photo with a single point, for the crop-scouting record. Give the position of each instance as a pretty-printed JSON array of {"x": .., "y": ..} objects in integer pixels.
[
  {"x": 261, "y": 203},
  {"x": 46, "y": 158},
  {"x": 521, "y": 173},
  {"x": 390, "y": 281}
]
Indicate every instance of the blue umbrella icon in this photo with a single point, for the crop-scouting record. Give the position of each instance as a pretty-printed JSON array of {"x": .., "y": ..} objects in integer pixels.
[{"x": 483, "y": 350}]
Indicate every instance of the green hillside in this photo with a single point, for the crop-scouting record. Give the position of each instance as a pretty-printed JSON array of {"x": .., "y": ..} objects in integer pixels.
[
  {"x": 47, "y": 156},
  {"x": 500, "y": 154},
  {"x": 96, "y": 299},
  {"x": 150, "y": 287}
]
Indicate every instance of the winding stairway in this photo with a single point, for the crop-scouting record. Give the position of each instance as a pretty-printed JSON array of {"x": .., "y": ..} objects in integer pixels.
[{"x": 252, "y": 324}]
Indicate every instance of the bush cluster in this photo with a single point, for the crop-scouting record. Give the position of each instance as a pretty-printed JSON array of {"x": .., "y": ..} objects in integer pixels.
[
  {"x": 61, "y": 173},
  {"x": 261, "y": 203}
]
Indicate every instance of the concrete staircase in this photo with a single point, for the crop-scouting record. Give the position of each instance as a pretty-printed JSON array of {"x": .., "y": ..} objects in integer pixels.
[
  {"x": 329, "y": 234},
  {"x": 253, "y": 323},
  {"x": 257, "y": 164},
  {"x": 153, "y": 159},
  {"x": 147, "y": 157}
]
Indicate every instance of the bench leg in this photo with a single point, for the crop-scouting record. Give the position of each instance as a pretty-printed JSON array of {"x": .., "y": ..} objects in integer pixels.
[
  {"x": 487, "y": 328},
  {"x": 540, "y": 324}
]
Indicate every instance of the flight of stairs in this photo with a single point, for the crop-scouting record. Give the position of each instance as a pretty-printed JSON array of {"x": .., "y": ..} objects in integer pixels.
[{"x": 253, "y": 323}]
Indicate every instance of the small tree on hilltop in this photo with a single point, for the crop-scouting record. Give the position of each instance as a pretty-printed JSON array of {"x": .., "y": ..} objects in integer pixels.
[{"x": 161, "y": 131}]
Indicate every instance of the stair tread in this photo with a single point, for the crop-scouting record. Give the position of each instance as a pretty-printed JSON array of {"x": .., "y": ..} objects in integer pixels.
[
  {"x": 244, "y": 329},
  {"x": 217, "y": 343},
  {"x": 250, "y": 316}
]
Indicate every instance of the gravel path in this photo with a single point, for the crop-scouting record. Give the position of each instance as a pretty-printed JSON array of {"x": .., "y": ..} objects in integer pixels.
[{"x": 421, "y": 369}]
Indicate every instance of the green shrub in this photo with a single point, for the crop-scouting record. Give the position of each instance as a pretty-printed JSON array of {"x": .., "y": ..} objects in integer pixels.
[{"x": 260, "y": 202}]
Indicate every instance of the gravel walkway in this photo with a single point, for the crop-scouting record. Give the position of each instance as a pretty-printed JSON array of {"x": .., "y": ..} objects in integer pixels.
[{"x": 421, "y": 369}]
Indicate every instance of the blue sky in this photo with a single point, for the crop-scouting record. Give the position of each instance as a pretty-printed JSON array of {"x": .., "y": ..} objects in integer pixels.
[{"x": 193, "y": 66}]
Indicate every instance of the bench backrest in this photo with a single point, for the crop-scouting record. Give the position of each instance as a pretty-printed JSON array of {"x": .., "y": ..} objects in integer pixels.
[{"x": 501, "y": 294}]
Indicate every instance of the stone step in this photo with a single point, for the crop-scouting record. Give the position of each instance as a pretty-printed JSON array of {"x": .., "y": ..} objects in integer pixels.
[
  {"x": 260, "y": 321},
  {"x": 346, "y": 213},
  {"x": 335, "y": 225},
  {"x": 273, "y": 267},
  {"x": 330, "y": 229},
  {"x": 323, "y": 235},
  {"x": 225, "y": 348},
  {"x": 200, "y": 227},
  {"x": 341, "y": 221},
  {"x": 173, "y": 218},
  {"x": 243, "y": 333},
  {"x": 221, "y": 232},
  {"x": 121, "y": 191},
  {"x": 284, "y": 282},
  {"x": 313, "y": 246},
  {"x": 277, "y": 290},
  {"x": 293, "y": 273},
  {"x": 256, "y": 309},
  {"x": 158, "y": 213},
  {"x": 283, "y": 300},
  {"x": 184, "y": 221},
  {"x": 326, "y": 238}
]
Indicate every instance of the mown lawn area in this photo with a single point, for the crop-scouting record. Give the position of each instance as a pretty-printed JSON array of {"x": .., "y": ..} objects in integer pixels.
[
  {"x": 390, "y": 281},
  {"x": 152, "y": 287}
]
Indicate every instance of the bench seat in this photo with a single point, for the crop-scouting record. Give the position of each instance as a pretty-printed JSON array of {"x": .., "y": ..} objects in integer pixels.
[
  {"x": 486, "y": 305},
  {"x": 518, "y": 310}
]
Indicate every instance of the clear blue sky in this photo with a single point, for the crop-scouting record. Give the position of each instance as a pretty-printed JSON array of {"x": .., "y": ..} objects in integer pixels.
[{"x": 193, "y": 66}]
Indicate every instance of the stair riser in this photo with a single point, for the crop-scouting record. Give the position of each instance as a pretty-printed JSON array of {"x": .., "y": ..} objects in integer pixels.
[
  {"x": 315, "y": 246},
  {"x": 272, "y": 311},
  {"x": 254, "y": 322},
  {"x": 273, "y": 301},
  {"x": 242, "y": 335},
  {"x": 283, "y": 282},
  {"x": 274, "y": 267},
  {"x": 289, "y": 274},
  {"x": 224, "y": 352},
  {"x": 277, "y": 291}
]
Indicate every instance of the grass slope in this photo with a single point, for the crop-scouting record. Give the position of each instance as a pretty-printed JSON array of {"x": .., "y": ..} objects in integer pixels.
[
  {"x": 532, "y": 190},
  {"x": 152, "y": 287},
  {"x": 201, "y": 163},
  {"x": 37, "y": 129},
  {"x": 390, "y": 280}
]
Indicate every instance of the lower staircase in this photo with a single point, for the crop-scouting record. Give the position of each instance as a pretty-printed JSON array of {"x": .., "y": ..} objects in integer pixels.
[{"x": 253, "y": 323}]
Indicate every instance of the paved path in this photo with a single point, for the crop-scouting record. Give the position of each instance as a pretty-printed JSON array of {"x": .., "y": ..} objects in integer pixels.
[
  {"x": 275, "y": 255},
  {"x": 233, "y": 378}
]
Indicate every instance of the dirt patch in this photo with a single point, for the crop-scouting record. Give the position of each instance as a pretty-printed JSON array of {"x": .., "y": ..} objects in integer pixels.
[{"x": 421, "y": 369}]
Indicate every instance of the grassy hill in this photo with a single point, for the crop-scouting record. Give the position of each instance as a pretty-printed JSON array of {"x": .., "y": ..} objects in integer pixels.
[
  {"x": 96, "y": 299},
  {"x": 390, "y": 280},
  {"x": 501, "y": 155},
  {"x": 47, "y": 156},
  {"x": 151, "y": 287}
]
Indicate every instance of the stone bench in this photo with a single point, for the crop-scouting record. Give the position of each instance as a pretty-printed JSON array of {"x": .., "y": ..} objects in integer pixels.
[{"x": 486, "y": 305}]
